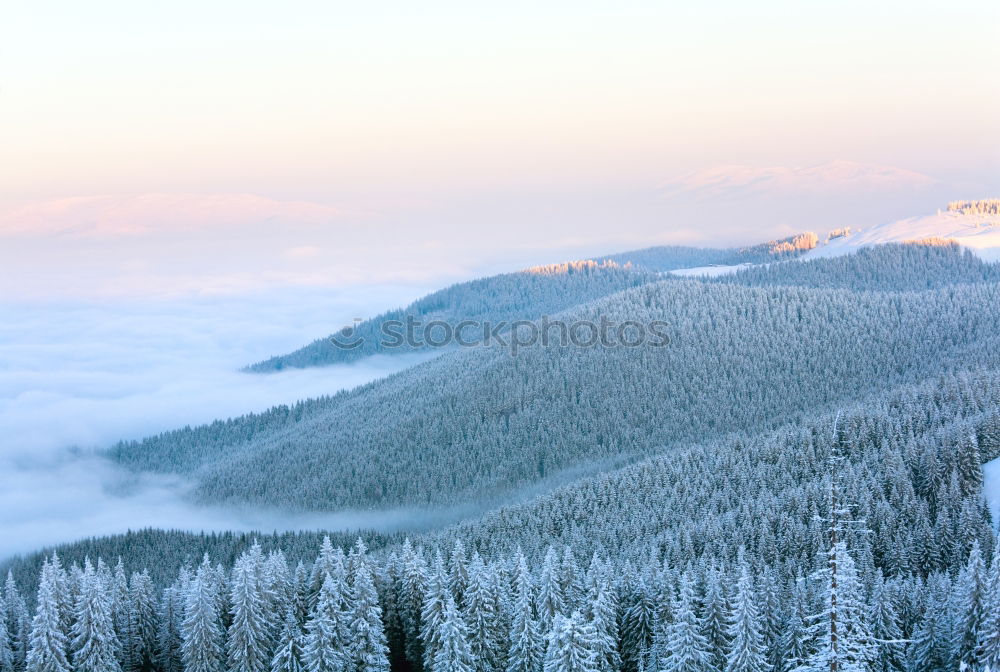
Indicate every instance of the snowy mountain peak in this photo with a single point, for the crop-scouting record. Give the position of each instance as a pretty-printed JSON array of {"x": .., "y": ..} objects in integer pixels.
[
  {"x": 972, "y": 224},
  {"x": 830, "y": 177}
]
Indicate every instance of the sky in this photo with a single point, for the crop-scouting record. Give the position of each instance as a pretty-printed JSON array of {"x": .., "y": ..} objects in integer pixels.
[
  {"x": 188, "y": 187},
  {"x": 344, "y": 143}
]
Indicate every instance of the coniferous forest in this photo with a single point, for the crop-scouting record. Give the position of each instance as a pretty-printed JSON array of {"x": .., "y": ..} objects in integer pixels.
[{"x": 793, "y": 483}]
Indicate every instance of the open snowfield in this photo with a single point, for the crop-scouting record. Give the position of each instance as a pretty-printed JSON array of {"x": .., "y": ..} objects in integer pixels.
[
  {"x": 708, "y": 271},
  {"x": 991, "y": 486},
  {"x": 979, "y": 233}
]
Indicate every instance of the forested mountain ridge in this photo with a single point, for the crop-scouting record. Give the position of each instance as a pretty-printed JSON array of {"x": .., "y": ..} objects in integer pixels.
[
  {"x": 482, "y": 423},
  {"x": 759, "y": 491},
  {"x": 722, "y": 550},
  {"x": 805, "y": 450},
  {"x": 889, "y": 267},
  {"x": 670, "y": 258},
  {"x": 524, "y": 295},
  {"x": 531, "y": 293}
]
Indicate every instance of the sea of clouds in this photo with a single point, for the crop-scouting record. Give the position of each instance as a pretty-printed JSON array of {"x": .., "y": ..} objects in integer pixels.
[{"x": 76, "y": 376}]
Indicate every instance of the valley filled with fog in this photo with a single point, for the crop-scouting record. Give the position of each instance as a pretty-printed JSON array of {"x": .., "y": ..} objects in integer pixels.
[{"x": 78, "y": 376}]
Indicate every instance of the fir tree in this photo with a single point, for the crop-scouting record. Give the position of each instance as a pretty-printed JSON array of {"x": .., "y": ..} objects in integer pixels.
[
  {"x": 885, "y": 630},
  {"x": 481, "y": 617},
  {"x": 685, "y": 646},
  {"x": 413, "y": 585},
  {"x": 369, "y": 650},
  {"x": 18, "y": 621},
  {"x": 637, "y": 622},
  {"x": 932, "y": 641},
  {"x": 715, "y": 616},
  {"x": 603, "y": 612},
  {"x": 202, "y": 636},
  {"x": 95, "y": 645},
  {"x": 325, "y": 648},
  {"x": 171, "y": 616},
  {"x": 48, "y": 642},
  {"x": 289, "y": 654},
  {"x": 988, "y": 651},
  {"x": 432, "y": 615},
  {"x": 458, "y": 574},
  {"x": 525, "y": 654},
  {"x": 6, "y": 651},
  {"x": 971, "y": 594},
  {"x": 572, "y": 645},
  {"x": 551, "y": 601},
  {"x": 452, "y": 653},
  {"x": 142, "y": 621},
  {"x": 746, "y": 650},
  {"x": 248, "y": 641}
]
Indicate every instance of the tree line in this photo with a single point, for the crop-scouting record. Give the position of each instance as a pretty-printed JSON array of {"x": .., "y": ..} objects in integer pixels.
[{"x": 424, "y": 610}]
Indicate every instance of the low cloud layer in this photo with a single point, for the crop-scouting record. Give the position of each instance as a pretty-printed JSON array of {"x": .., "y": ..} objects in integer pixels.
[
  {"x": 76, "y": 377},
  {"x": 167, "y": 244}
]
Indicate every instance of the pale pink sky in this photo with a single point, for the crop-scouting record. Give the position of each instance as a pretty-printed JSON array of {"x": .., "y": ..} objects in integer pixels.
[{"x": 333, "y": 141}]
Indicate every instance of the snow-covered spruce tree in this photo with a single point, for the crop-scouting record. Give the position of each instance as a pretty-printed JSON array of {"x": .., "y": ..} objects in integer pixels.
[
  {"x": 888, "y": 635},
  {"x": 436, "y": 599},
  {"x": 368, "y": 648},
  {"x": 451, "y": 652},
  {"x": 95, "y": 645},
  {"x": 571, "y": 582},
  {"x": 277, "y": 591},
  {"x": 47, "y": 651},
  {"x": 329, "y": 562},
  {"x": 796, "y": 637},
  {"x": 602, "y": 610},
  {"x": 248, "y": 640},
  {"x": 301, "y": 593},
  {"x": 715, "y": 616},
  {"x": 118, "y": 590},
  {"x": 526, "y": 643},
  {"x": 970, "y": 603},
  {"x": 289, "y": 654},
  {"x": 142, "y": 621},
  {"x": 18, "y": 621},
  {"x": 63, "y": 591},
  {"x": 746, "y": 651},
  {"x": 932, "y": 646},
  {"x": 685, "y": 647},
  {"x": 637, "y": 621},
  {"x": 412, "y": 587},
  {"x": 458, "y": 572},
  {"x": 988, "y": 651},
  {"x": 481, "y": 616},
  {"x": 171, "y": 618},
  {"x": 572, "y": 645},
  {"x": 325, "y": 646},
  {"x": 551, "y": 601},
  {"x": 841, "y": 631},
  {"x": 6, "y": 651},
  {"x": 202, "y": 635},
  {"x": 772, "y": 612}
]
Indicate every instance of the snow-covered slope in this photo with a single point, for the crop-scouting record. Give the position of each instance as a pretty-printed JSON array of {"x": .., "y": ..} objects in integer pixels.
[
  {"x": 978, "y": 232},
  {"x": 708, "y": 271},
  {"x": 991, "y": 485}
]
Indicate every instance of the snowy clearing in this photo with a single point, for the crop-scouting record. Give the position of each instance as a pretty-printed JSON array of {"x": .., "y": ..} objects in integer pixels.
[
  {"x": 991, "y": 486},
  {"x": 979, "y": 233}
]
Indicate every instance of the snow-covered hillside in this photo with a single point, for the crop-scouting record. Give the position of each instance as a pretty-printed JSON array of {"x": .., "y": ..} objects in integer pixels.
[
  {"x": 991, "y": 485},
  {"x": 978, "y": 232},
  {"x": 708, "y": 271}
]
